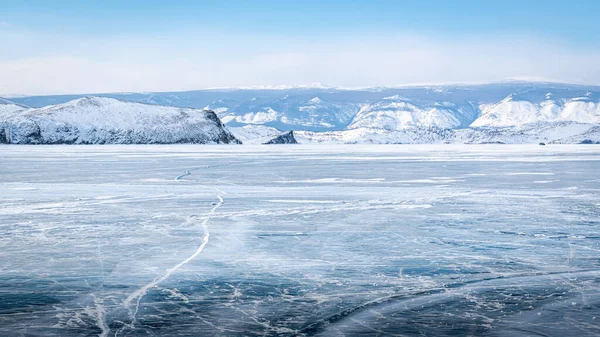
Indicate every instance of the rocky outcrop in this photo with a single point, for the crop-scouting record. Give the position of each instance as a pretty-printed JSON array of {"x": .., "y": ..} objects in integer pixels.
[
  {"x": 284, "y": 138},
  {"x": 99, "y": 120}
]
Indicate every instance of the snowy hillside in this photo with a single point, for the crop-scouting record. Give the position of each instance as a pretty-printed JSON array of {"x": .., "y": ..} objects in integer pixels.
[
  {"x": 552, "y": 133},
  {"x": 377, "y": 136},
  {"x": 397, "y": 113},
  {"x": 556, "y": 133},
  {"x": 289, "y": 112},
  {"x": 517, "y": 111},
  {"x": 496, "y": 112},
  {"x": 98, "y": 120},
  {"x": 329, "y": 109},
  {"x": 9, "y": 108},
  {"x": 254, "y": 134}
]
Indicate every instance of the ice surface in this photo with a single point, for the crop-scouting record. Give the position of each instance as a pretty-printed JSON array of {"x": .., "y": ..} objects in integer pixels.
[{"x": 498, "y": 240}]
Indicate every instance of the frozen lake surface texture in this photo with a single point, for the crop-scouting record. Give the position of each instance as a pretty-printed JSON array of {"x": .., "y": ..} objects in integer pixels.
[{"x": 347, "y": 240}]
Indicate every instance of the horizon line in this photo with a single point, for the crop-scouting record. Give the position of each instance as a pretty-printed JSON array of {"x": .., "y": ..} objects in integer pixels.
[{"x": 276, "y": 87}]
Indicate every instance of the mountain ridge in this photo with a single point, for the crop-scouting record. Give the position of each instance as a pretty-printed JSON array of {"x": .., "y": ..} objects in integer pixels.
[
  {"x": 331, "y": 109},
  {"x": 464, "y": 112},
  {"x": 100, "y": 120}
]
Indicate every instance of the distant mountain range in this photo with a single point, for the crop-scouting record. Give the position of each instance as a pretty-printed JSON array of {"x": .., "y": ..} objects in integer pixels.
[{"x": 507, "y": 112}]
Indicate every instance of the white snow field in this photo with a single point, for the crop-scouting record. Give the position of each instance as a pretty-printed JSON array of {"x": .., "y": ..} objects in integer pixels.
[{"x": 302, "y": 240}]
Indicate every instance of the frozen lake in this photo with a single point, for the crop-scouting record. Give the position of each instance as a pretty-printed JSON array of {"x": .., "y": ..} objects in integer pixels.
[{"x": 347, "y": 240}]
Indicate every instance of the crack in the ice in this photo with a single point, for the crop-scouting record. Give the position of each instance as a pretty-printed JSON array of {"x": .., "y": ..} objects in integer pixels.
[
  {"x": 100, "y": 312},
  {"x": 99, "y": 303},
  {"x": 139, "y": 294},
  {"x": 186, "y": 173},
  {"x": 318, "y": 326}
]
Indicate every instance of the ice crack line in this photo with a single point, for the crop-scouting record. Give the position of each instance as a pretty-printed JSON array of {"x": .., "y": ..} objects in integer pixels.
[
  {"x": 139, "y": 294},
  {"x": 186, "y": 173},
  {"x": 142, "y": 291},
  {"x": 100, "y": 311}
]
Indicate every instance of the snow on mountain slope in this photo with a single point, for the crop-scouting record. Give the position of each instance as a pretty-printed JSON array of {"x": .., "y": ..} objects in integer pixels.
[
  {"x": 513, "y": 111},
  {"x": 551, "y": 133},
  {"x": 287, "y": 112},
  {"x": 376, "y": 136},
  {"x": 9, "y": 108},
  {"x": 581, "y": 110},
  {"x": 260, "y": 117},
  {"x": 98, "y": 120},
  {"x": 555, "y": 133},
  {"x": 397, "y": 113},
  {"x": 505, "y": 108},
  {"x": 324, "y": 113},
  {"x": 254, "y": 134}
]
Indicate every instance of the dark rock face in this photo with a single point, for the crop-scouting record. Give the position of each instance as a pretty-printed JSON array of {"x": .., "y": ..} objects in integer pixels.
[
  {"x": 588, "y": 141},
  {"x": 3, "y": 139},
  {"x": 224, "y": 137},
  {"x": 211, "y": 115},
  {"x": 284, "y": 138}
]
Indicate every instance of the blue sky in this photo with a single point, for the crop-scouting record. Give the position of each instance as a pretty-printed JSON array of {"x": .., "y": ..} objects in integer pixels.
[{"x": 91, "y": 46}]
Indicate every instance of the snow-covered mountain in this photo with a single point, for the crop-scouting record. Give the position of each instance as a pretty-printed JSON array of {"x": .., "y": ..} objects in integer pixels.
[
  {"x": 254, "y": 134},
  {"x": 495, "y": 112},
  {"x": 398, "y": 112},
  {"x": 533, "y": 133},
  {"x": 551, "y": 133},
  {"x": 329, "y": 109},
  {"x": 9, "y": 108},
  {"x": 288, "y": 112},
  {"x": 518, "y": 111},
  {"x": 377, "y": 136},
  {"x": 99, "y": 120}
]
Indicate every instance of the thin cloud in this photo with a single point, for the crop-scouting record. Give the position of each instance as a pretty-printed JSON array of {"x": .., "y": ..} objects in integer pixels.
[{"x": 135, "y": 65}]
